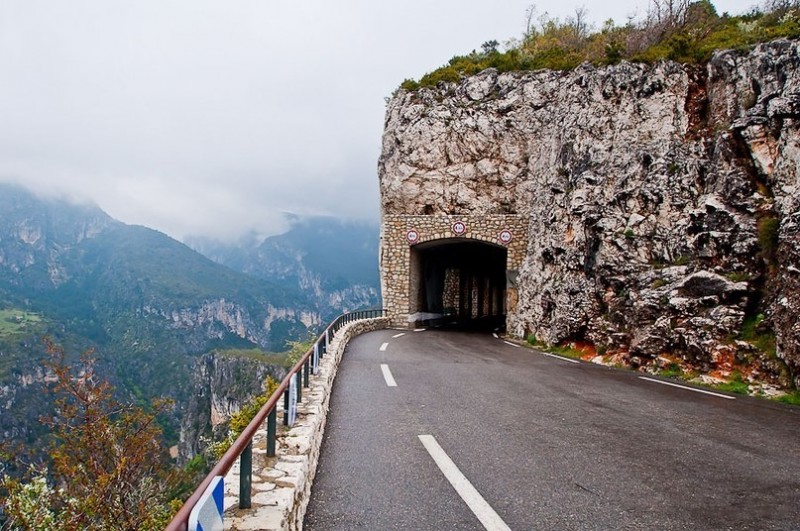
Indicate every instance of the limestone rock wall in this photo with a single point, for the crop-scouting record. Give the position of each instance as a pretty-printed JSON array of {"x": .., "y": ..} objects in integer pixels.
[
  {"x": 222, "y": 384},
  {"x": 662, "y": 199}
]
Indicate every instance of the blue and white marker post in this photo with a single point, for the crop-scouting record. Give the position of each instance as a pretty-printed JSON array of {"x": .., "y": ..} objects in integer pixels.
[
  {"x": 293, "y": 399},
  {"x": 207, "y": 513},
  {"x": 315, "y": 364}
]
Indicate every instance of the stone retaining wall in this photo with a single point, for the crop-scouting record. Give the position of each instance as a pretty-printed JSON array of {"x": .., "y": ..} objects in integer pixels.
[{"x": 282, "y": 484}]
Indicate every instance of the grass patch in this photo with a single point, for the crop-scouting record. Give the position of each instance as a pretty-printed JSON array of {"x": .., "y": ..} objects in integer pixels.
[
  {"x": 736, "y": 385},
  {"x": 567, "y": 351},
  {"x": 763, "y": 339},
  {"x": 659, "y": 283},
  {"x": 768, "y": 239},
  {"x": 792, "y": 398},
  {"x": 14, "y": 322},
  {"x": 738, "y": 276},
  {"x": 673, "y": 370},
  {"x": 682, "y": 260}
]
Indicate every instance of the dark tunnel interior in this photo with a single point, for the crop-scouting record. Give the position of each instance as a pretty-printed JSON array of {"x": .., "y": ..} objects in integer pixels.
[{"x": 459, "y": 284}]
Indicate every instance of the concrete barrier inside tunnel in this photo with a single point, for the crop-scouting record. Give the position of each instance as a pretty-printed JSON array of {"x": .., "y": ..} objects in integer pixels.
[{"x": 458, "y": 283}]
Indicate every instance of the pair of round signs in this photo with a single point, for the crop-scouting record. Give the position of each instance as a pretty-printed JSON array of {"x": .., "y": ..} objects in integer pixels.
[{"x": 459, "y": 229}]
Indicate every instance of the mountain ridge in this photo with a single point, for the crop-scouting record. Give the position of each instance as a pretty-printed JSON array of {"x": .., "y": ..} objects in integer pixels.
[{"x": 146, "y": 304}]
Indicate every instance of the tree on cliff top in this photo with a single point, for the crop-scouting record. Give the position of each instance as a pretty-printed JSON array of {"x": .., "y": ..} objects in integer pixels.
[{"x": 107, "y": 468}]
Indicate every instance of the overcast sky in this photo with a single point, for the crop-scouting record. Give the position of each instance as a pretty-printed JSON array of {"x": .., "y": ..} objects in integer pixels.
[{"x": 213, "y": 118}]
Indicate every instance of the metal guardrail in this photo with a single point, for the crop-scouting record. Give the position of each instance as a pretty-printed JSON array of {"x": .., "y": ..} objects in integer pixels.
[{"x": 242, "y": 447}]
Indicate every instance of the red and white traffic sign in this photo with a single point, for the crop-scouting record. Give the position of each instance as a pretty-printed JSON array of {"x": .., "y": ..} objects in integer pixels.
[
  {"x": 412, "y": 236},
  {"x": 459, "y": 228},
  {"x": 505, "y": 236}
]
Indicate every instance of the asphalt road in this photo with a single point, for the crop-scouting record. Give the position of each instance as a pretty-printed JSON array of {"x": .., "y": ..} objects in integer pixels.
[{"x": 547, "y": 443}]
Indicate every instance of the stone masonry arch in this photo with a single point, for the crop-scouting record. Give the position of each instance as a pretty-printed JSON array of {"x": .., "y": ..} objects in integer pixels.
[{"x": 409, "y": 241}]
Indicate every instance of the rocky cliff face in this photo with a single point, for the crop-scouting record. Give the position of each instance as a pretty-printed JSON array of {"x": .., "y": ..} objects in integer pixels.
[
  {"x": 663, "y": 199},
  {"x": 221, "y": 385}
]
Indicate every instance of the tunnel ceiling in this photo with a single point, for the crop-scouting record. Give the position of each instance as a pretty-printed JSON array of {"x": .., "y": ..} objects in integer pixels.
[{"x": 479, "y": 256}]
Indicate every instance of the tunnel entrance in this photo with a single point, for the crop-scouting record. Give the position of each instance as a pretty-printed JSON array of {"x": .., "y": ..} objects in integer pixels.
[{"x": 457, "y": 283}]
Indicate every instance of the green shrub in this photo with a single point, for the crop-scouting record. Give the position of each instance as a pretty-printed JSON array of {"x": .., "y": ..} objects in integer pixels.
[
  {"x": 768, "y": 238},
  {"x": 107, "y": 466},
  {"x": 409, "y": 84},
  {"x": 564, "y": 44},
  {"x": 239, "y": 420}
]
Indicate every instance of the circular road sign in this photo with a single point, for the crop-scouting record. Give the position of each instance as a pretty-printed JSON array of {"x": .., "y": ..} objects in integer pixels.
[
  {"x": 412, "y": 236},
  {"x": 505, "y": 236},
  {"x": 459, "y": 228}
]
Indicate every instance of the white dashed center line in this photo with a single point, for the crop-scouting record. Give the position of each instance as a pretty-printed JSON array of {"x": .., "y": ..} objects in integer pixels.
[
  {"x": 419, "y": 330},
  {"x": 387, "y": 375},
  {"x": 384, "y": 347},
  {"x": 401, "y": 334},
  {"x": 495, "y": 335},
  {"x": 488, "y": 517},
  {"x": 687, "y": 388}
]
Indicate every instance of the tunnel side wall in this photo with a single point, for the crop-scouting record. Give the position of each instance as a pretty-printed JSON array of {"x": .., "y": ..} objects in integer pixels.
[{"x": 400, "y": 232}]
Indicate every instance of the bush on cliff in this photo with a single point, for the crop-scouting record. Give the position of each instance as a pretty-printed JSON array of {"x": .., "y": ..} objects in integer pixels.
[
  {"x": 683, "y": 31},
  {"x": 106, "y": 468}
]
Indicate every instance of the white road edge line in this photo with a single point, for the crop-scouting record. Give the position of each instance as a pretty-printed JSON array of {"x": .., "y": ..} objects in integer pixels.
[
  {"x": 384, "y": 347},
  {"x": 490, "y": 519},
  {"x": 387, "y": 375},
  {"x": 495, "y": 335},
  {"x": 687, "y": 388},
  {"x": 562, "y": 358},
  {"x": 401, "y": 334},
  {"x": 512, "y": 344},
  {"x": 419, "y": 330}
]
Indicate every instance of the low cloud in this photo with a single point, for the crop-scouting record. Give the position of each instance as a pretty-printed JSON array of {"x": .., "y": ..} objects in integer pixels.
[{"x": 214, "y": 118}]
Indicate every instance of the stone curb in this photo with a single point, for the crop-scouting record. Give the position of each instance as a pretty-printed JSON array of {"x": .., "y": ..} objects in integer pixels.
[{"x": 282, "y": 484}]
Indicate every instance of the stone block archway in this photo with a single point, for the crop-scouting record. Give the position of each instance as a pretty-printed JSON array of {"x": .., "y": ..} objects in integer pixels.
[{"x": 432, "y": 264}]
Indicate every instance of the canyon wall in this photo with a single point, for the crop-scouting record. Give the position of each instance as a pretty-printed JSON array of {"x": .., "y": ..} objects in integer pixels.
[{"x": 222, "y": 384}]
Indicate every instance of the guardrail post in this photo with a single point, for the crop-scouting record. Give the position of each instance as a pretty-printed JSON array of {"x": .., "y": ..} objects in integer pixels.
[
  {"x": 245, "y": 476},
  {"x": 300, "y": 385},
  {"x": 272, "y": 431},
  {"x": 306, "y": 367},
  {"x": 286, "y": 406}
]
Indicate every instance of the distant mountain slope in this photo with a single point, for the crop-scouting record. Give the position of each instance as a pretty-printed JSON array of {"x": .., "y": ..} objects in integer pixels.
[
  {"x": 147, "y": 303},
  {"x": 334, "y": 262}
]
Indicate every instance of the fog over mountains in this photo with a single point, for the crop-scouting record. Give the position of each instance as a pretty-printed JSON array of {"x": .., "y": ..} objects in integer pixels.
[{"x": 149, "y": 305}]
